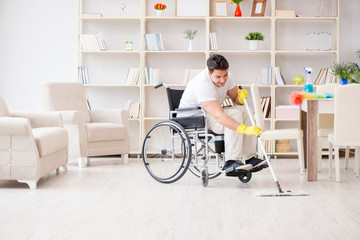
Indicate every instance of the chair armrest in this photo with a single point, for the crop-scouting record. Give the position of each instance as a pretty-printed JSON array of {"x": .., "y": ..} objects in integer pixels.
[
  {"x": 14, "y": 126},
  {"x": 188, "y": 109},
  {"x": 71, "y": 117},
  {"x": 40, "y": 119},
  {"x": 118, "y": 116}
]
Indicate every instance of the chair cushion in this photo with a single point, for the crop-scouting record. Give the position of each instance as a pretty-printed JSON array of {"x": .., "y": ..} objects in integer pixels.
[
  {"x": 4, "y": 111},
  {"x": 50, "y": 139},
  {"x": 105, "y": 132},
  {"x": 279, "y": 134}
]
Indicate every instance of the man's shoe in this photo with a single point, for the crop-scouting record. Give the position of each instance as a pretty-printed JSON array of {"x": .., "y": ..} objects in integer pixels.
[
  {"x": 257, "y": 164},
  {"x": 233, "y": 168}
]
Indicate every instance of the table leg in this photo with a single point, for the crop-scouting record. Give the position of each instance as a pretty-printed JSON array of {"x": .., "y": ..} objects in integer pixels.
[{"x": 312, "y": 140}]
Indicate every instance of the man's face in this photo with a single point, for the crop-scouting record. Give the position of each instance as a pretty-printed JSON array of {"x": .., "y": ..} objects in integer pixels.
[{"x": 219, "y": 77}]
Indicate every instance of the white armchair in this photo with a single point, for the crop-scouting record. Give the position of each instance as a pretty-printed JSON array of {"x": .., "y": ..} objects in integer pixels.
[
  {"x": 32, "y": 144},
  {"x": 91, "y": 132}
]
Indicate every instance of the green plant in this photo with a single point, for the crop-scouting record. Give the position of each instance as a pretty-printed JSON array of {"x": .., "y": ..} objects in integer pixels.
[
  {"x": 236, "y": 1},
  {"x": 254, "y": 36},
  {"x": 344, "y": 70},
  {"x": 190, "y": 34},
  {"x": 358, "y": 52}
]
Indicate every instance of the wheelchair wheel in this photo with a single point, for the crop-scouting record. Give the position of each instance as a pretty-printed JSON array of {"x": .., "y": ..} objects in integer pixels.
[
  {"x": 204, "y": 177},
  {"x": 244, "y": 178},
  {"x": 212, "y": 174},
  {"x": 166, "y": 151}
]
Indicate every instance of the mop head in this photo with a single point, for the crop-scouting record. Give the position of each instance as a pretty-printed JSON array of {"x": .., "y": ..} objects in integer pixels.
[{"x": 286, "y": 193}]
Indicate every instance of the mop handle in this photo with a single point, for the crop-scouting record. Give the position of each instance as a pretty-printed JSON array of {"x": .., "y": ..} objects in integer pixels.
[{"x": 261, "y": 145}]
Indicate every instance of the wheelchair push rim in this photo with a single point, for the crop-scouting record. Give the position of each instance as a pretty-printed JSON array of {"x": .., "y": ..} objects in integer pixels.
[{"x": 166, "y": 151}]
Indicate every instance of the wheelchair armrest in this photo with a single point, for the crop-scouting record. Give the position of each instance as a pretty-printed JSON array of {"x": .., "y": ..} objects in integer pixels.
[{"x": 188, "y": 109}]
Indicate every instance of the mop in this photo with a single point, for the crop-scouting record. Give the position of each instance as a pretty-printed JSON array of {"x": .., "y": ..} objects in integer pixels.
[{"x": 280, "y": 192}]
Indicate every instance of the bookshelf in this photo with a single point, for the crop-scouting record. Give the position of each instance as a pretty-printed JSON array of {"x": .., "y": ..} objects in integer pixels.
[{"x": 284, "y": 46}]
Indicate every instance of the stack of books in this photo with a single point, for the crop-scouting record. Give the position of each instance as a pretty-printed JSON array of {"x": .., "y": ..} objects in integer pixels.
[
  {"x": 264, "y": 76},
  {"x": 266, "y": 106},
  {"x": 133, "y": 108},
  {"x": 133, "y": 76},
  {"x": 326, "y": 8},
  {"x": 93, "y": 42},
  {"x": 83, "y": 75},
  {"x": 154, "y": 42},
  {"x": 325, "y": 76},
  {"x": 213, "y": 42},
  {"x": 152, "y": 75},
  {"x": 279, "y": 77}
]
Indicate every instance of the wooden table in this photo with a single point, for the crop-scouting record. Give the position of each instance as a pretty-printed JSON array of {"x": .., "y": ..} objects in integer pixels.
[{"x": 310, "y": 110}]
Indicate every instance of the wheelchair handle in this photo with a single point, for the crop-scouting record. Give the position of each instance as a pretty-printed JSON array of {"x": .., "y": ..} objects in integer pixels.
[{"x": 160, "y": 85}]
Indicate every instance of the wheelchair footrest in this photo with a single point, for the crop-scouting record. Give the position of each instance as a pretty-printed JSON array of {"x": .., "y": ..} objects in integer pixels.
[{"x": 232, "y": 172}]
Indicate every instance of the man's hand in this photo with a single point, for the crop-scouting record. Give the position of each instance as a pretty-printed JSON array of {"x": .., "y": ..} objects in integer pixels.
[
  {"x": 242, "y": 94},
  {"x": 252, "y": 130}
]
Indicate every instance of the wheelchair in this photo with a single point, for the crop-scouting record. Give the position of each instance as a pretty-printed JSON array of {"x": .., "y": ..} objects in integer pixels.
[{"x": 173, "y": 146}]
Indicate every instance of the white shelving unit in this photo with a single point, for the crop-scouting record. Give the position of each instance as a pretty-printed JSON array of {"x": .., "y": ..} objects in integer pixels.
[{"x": 284, "y": 46}]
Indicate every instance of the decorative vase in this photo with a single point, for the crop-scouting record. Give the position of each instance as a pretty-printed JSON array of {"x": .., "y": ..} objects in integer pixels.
[
  {"x": 238, "y": 11},
  {"x": 254, "y": 45},
  {"x": 159, "y": 13},
  {"x": 190, "y": 45},
  {"x": 344, "y": 81}
]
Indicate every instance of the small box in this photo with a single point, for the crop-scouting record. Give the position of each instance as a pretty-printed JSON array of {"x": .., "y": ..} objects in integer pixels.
[
  {"x": 282, "y": 146},
  {"x": 285, "y": 13},
  {"x": 287, "y": 112}
]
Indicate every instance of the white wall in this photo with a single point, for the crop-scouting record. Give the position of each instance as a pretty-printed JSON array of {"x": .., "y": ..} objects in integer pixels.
[{"x": 38, "y": 43}]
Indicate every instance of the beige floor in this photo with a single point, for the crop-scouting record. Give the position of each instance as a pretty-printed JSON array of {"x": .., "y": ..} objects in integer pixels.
[{"x": 113, "y": 201}]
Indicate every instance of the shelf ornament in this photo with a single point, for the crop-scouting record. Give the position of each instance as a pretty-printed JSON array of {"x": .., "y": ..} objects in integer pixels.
[
  {"x": 238, "y": 12},
  {"x": 190, "y": 34},
  {"x": 159, "y": 8}
]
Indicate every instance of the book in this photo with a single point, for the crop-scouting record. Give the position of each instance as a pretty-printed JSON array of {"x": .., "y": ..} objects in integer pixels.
[
  {"x": 278, "y": 77},
  {"x": 267, "y": 107},
  {"x": 133, "y": 76},
  {"x": 285, "y": 13}
]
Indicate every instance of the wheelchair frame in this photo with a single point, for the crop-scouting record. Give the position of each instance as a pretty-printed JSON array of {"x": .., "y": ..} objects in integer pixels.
[{"x": 190, "y": 136}]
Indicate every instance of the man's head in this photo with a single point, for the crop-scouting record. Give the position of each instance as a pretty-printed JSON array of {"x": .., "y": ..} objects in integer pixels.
[{"x": 218, "y": 69}]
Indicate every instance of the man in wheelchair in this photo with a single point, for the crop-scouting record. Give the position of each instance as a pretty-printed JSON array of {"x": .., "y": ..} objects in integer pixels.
[{"x": 209, "y": 89}]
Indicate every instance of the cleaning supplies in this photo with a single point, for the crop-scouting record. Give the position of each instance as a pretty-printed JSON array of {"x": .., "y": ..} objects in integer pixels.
[
  {"x": 308, "y": 85},
  {"x": 248, "y": 130}
]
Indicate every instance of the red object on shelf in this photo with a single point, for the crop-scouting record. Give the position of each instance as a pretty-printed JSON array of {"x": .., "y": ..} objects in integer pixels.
[{"x": 238, "y": 11}]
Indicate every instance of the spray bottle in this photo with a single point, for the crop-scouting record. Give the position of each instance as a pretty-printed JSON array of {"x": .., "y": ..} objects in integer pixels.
[{"x": 308, "y": 85}]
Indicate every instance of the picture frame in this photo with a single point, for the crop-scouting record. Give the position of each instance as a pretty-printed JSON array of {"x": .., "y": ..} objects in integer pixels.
[
  {"x": 220, "y": 9},
  {"x": 190, "y": 8},
  {"x": 258, "y": 9}
]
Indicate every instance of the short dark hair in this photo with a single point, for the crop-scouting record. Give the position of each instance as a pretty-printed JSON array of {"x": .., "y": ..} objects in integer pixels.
[{"x": 218, "y": 62}]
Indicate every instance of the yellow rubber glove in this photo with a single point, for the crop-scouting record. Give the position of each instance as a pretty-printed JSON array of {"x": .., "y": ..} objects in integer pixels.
[
  {"x": 242, "y": 94},
  {"x": 252, "y": 130}
]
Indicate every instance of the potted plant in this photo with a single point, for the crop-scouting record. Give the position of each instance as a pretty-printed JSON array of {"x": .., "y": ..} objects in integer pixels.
[
  {"x": 190, "y": 34},
  {"x": 159, "y": 9},
  {"x": 254, "y": 39},
  {"x": 344, "y": 71}
]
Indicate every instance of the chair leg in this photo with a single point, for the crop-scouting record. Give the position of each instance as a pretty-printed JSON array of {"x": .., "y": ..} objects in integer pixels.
[
  {"x": 31, "y": 183},
  {"x": 300, "y": 148},
  {"x": 82, "y": 162},
  {"x": 125, "y": 158},
  {"x": 330, "y": 158},
  {"x": 357, "y": 160},
  {"x": 337, "y": 164},
  {"x": 347, "y": 153},
  {"x": 319, "y": 153}
]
